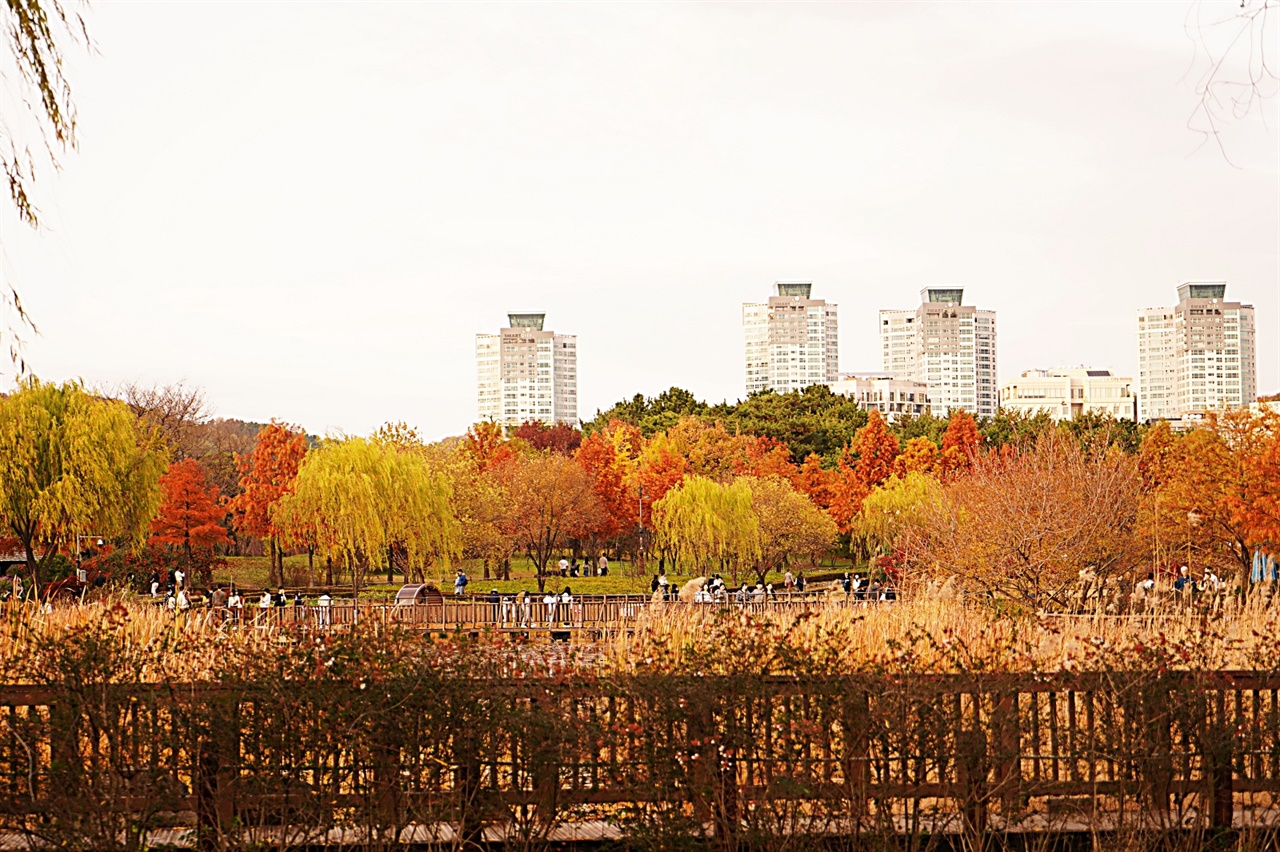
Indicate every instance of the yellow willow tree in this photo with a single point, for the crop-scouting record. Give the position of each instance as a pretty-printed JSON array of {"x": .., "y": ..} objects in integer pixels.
[
  {"x": 711, "y": 524},
  {"x": 356, "y": 497},
  {"x": 72, "y": 463},
  {"x": 894, "y": 506},
  {"x": 790, "y": 525}
]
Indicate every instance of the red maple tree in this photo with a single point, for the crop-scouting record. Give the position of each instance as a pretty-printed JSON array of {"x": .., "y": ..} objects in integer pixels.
[
  {"x": 190, "y": 517},
  {"x": 266, "y": 475}
]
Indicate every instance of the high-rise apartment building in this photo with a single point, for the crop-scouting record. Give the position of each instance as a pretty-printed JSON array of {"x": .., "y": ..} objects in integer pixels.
[
  {"x": 1068, "y": 393},
  {"x": 947, "y": 346},
  {"x": 792, "y": 340},
  {"x": 527, "y": 373},
  {"x": 1196, "y": 356}
]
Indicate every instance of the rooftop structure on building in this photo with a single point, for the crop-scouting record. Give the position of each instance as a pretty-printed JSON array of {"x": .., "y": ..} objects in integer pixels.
[
  {"x": 947, "y": 346},
  {"x": 1198, "y": 355},
  {"x": 791, "y": 340},
  {"x": 525, "y": 372},
  {"x": 1066, "y": 393},
  {"x": 893, "y": 398}
]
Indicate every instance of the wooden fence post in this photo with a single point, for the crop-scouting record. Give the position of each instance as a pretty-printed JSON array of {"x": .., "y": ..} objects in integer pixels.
[
  {"x": 1220, "y": 752},
  {"x": 855, "y": 723},
  {"x": 217, "y": 759}
]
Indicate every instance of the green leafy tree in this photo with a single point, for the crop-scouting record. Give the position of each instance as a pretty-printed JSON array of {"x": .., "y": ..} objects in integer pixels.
[{"x": 73, "y": 463}]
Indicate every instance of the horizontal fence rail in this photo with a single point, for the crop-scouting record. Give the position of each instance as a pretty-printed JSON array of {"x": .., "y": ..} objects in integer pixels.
[
  {"x": 593, "y": 612},
  {"x": 729, "y": 755}
]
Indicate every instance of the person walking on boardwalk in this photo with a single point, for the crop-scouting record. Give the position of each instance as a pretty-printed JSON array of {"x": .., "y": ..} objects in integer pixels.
[{"x": 460, "y": 582}]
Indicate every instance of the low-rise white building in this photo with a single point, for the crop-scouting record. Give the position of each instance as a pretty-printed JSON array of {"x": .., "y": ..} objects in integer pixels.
[
  {"x": 893, "y": 398},
  {"x": 1067, "y": 393}
]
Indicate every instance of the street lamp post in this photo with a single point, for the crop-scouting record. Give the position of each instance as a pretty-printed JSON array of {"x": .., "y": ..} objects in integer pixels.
[{"x": 81, "y": 575}]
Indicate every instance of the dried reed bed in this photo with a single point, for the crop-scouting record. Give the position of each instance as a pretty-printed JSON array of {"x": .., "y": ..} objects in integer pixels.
[
  {"x": 126, "y": 641},
  {"x": 120, "y": 640},
  {"x": 952, "y": 635}
]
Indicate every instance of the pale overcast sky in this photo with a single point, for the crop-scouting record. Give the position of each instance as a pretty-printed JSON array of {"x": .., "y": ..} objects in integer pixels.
[{"x": 310, "y": 209}]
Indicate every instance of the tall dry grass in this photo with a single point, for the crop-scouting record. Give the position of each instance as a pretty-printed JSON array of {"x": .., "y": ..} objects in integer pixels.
[
  {"x": 143, "y": 643},
  {"x": 951, "y": 635}
]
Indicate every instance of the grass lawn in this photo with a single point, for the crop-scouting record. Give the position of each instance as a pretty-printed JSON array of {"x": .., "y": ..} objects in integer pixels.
[{"x": 251, "y": 572}]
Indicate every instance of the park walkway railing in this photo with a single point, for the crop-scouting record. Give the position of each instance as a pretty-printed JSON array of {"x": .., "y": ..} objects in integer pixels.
[
  {"x": 590, "y": 612},
  {"x": 734, "y": 755}
]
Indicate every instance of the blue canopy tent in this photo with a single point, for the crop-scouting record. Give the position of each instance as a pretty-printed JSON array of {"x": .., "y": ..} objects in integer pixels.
[{"x": 1265, "y": 568}]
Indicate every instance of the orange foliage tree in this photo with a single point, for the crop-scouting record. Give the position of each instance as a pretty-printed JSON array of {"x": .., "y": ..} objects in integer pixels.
[
  {"x": 552, "y": 501},
  {"x": 1024, "y": 525},
  {"x": 266, "y": 475},
  {"x": 814, "y": 481},
  {"x": 609, "y": 469},
  {"x": 1257, "y": 509},
  {"x": 1210, "y": 492},
  {"x": 960, "y": 443},
  {"x": 920, "y": 455},
  {"x": 190, "y": 517},
  {"x": 876, "y": 449}
]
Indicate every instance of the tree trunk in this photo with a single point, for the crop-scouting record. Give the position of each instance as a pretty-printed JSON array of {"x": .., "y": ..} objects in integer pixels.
[
  {"x": 275, "y": 574},
  {"x": 328, "y": 571},
  {"x": 311, "y": 567},
  {"x": 33, "y": 568},
  {"x": 506, "y": 568},
  {"x": 391, "y": 563},
  {"x": 486, "y": 567}
]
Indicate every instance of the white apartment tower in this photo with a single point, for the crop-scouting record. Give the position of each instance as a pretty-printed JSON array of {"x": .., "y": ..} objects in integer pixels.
[
  {"x": 1196, "y": 356},
  {"x": 791, "y": 340},
  {"x": 947, "y": 346},
  {"x": 527, "y": 373}
]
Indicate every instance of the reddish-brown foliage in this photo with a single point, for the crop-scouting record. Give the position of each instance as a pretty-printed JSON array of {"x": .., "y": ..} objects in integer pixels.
[{"x": 560, "y": 438}]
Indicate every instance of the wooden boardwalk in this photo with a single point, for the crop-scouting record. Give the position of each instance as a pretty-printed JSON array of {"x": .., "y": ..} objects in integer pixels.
[{"x": 589, "y": 613}]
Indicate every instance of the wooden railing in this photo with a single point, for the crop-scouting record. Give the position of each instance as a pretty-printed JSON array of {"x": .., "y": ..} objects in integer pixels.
[
  {"x": 594, "y": 612},
  {"x": 730, "y": 755}
]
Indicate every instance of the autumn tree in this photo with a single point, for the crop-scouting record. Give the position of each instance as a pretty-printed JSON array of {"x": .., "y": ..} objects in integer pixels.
[
  {"x": 610, "y": 468},
  {"x": 356, "y": 497},
  {"x": 1257, "y": 507},
  {"x": 662, "y": 466},
  {"x": 179, "y": 412},
  {"x": 1023, "y": 526},
  {"x": 552, "y": 500},
  {"x": 790, "y": 526},
  {"x": 480, "y": 504},
  {"x": 814, "y": 481},
  {"x": 713, "y": 525},
  {"x": 267, "y": 475},
  {"x": 920, "y": 455},
  {"x": 894, "y": 506},
  {"x": 556, "y": 438},
  {"x": 488, "y": 445},
  {"x": 1207, "y": 489},
  {"x": 960, "y": 443},
  {"x": 190, "y": 518},
  {"x": 74, "y": 463},
  {"x": 864, "y": 464}
]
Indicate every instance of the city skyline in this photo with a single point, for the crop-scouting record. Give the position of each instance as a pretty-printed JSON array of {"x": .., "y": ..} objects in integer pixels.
[{"x": 326, "y": 256}]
